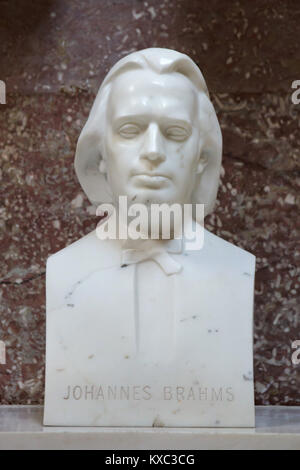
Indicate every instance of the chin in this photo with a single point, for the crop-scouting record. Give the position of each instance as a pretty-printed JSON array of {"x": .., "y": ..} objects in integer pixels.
[{"x": 152, "y": 196}]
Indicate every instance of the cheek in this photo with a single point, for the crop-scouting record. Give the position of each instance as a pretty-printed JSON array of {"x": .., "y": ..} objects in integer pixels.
[
  {"x": 119, "y": 164},
  {"x": 121, "y": 151},
  {"x": 187, "y": 155}
]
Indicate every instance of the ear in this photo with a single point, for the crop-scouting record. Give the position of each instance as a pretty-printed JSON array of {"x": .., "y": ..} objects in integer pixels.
[
  {"x": 202, "y": 162},
  {"x": 102, "y": 167}
]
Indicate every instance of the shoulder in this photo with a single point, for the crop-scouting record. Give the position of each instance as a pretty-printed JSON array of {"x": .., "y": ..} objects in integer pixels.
[
  {"x": 87, "y": 251},
  {"x": 228, "y": 249},
  {"x": 218, "y": 252},
  {"x": 76, "y": 261}
]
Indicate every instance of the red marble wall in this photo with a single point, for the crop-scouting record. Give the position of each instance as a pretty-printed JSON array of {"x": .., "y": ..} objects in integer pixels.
[{"x": 53, "y": 56}]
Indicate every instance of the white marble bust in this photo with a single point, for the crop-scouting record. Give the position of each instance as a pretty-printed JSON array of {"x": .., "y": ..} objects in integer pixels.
[{"x": 146, "y": 333}]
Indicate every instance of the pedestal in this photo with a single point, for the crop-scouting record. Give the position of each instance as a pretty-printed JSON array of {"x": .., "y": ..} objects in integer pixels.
[{"x": 277, "y": 427}]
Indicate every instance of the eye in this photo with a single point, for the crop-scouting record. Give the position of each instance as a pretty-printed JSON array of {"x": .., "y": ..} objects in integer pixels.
[
  {"x": 129, "y": 131},
  {"x": 177, "y": 133}
]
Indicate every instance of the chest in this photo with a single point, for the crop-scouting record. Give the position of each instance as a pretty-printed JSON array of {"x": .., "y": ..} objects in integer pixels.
[{"x": 180, "y": 342}]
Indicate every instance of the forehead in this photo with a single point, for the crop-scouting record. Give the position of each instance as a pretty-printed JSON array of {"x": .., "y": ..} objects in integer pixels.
[{"x": 147, "y": 93}]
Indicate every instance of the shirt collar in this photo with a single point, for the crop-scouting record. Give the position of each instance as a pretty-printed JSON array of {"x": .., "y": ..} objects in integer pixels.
[{"x": 156, "y": 250}]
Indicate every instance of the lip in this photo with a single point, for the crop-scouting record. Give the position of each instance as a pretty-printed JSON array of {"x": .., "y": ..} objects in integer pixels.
[
  {"x": 151, "y": 180},
  {"x": 152, "y": 175}
]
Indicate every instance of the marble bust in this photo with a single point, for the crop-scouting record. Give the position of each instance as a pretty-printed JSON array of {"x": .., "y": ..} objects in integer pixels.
[{"x": 143, "y": 332}]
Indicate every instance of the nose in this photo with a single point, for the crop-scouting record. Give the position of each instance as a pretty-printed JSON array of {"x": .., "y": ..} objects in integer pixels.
[{"x": 153, "y": 146}]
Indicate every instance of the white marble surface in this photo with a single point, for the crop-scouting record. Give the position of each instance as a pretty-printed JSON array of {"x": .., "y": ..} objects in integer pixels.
[
  {"x": 140, "y": 336},
  {"x": 277, "y": 427},
  {"x": 119, "y": 354}
]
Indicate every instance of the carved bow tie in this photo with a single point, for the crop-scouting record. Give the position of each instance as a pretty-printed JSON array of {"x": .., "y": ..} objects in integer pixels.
[{"x": 157, "y": 251}]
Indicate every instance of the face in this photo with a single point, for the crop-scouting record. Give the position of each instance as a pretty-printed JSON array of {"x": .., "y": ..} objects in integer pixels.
[{"x": 152, "y": 141}]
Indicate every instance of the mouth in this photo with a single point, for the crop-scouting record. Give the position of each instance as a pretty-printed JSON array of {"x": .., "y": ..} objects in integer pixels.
[
  {"x": 154, "y": 180},
  {"x": 152, "y": 175}
]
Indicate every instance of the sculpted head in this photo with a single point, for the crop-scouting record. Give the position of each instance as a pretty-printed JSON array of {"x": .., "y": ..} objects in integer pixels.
[{"x": 152, "y": 134}]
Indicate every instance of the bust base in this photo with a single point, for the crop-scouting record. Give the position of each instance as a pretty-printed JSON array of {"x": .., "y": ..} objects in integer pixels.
[{"x": 277, "y": 427}]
